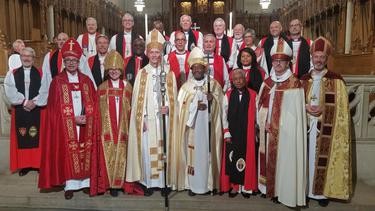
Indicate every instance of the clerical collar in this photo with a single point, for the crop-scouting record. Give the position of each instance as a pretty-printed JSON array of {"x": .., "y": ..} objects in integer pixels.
[
  {"x": 246, "y": 67},
  {"x": 115, "y": 83},
  {"x": 180, "y": 53},
  {"x": 102, "y": 56},
  {"x": 200, "y": 82},
  {"x": 26, "y": 68},
  {"x": 276, "y": 38},
  {"x": 210, "y": 55},
  {"x": 239, "y": 40},
  {"x": 296, "y": 39},
  {"x": 92, "y": 34},
  {"x": 318, "y": 74},
  {"x": 220, "y": 37},
  {"x": 281, "y": 78},
  {"x": 127, "y": 33}
]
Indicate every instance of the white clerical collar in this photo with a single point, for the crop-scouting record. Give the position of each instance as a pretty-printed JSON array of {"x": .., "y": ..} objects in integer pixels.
[
  {"x": 239, "y": 40},
  {"x": 246, "y": 67},
  {"x": 200, "y": 82},
  {"x": 180, "y": 52},
  {"x": 92, "y": 35},
  {"x": 253, "y": 47},
  {"x": 116, "y": 83},
  {"x": 220, "y": 37},
  {"x": 71, "y": 77},
  {"x": 276, "y": 38},
  {"x": 317, "y": 75},
  {"x": 101, "y": 56},
  {"x": 127, "y": 33},
  {"x": 282, "y": 77},
  {"x": 26, "y": 68}
]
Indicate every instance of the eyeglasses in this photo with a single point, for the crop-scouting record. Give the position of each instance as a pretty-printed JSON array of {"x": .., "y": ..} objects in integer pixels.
[
  {"x": 277, "y": 61},
  {"x": 180, "y": 39},
  {"x": 71, "y": 61}
]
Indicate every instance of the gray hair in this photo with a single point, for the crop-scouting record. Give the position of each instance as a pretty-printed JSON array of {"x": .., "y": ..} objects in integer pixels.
[
  {"x": 251, "y": 31},
  {"x": 238, "y": 70},
  {"x": 219, "y": 20},
  {"x": 128, "y": 14},
  {"x": 209, "y": 35},
  {"x": 91, "y": 19},
  {"x": 185, "y": 16},
  {"x": 16, "y": 43},
  {"x": 29, "y": 50}
]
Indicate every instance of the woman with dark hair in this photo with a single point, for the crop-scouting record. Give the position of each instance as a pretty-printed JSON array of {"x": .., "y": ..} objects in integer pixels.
[{"x": 247, "y": 61}]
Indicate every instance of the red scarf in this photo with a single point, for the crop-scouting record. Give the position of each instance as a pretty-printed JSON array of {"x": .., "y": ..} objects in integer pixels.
[{"x": 175, "y": 66}]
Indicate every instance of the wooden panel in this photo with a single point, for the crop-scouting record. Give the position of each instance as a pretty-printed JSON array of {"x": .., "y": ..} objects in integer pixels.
[{"x": 353, "y": 64}]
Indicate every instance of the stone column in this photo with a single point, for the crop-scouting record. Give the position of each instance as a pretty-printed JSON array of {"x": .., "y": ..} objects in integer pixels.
[
  {"x": 348, "y": 28},
  {"x": 51, "y": 22}
]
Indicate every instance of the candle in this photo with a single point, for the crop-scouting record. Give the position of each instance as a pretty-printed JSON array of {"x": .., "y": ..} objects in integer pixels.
[
  {"x": 230, "y": 24},
  {"x": 146, "y": 26}
]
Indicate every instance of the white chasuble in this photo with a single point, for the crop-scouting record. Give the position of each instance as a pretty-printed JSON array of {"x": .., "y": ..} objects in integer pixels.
[
  {"x": 145, "y": 150},
  {"x": 200, "y": 168}
]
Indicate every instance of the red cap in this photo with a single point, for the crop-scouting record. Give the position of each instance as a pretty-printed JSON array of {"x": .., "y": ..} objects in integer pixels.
[{"x": 71, "y": 48}]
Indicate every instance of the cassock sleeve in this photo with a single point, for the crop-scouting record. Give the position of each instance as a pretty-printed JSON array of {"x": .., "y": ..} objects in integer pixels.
[
  {"x": 226, "y": 77},
  {"x": 225, "y": 106},
  {"x": 200, "y": 40},
  {"x": 14, "y": 97},
  {"x": 85, "y": 69},
  {"x": 112, "y": 43},
  {"x": 41, "y": 98}
]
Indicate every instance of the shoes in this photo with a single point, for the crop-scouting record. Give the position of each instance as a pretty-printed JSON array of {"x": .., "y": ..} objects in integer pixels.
[
  {"x": 68, "y": 194},
  {"x": 263, "y": 195},
  {"x": 113, "y": 192},
  {"x": 323, "y": 202},
  {"x": 165, "y": 191},
  {"x": 246, "y": 195},
  {"x": 86, "y": 190},
  {"x": 232, "y": 193},
  {"x": 24, "y": 171},
  {"x": 275, "y": 200},
  {"x": 191, "y": 193}
]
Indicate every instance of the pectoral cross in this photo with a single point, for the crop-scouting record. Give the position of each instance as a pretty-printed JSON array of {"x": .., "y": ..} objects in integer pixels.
[{"x": 71, "y": 43}]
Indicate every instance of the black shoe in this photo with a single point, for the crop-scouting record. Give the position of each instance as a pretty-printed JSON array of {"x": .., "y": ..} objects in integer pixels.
[
  {"x": 232, "y": 194},
  {"x": 24, "y": 171},
  {"x": 86, "y": 190},
  {"x": 146, "y": 191},
  {"x": 68, "y": 194},
  {"x": 191, "y": 193},
  {"x": 214, "y": 192},
  {"x": 263, "y": 195},
  {"x": 323, "y": 202},
  {"x": 165, "y": 191},
  {"x": 246, "y": 195},
  {"x": 275, "y": 200},
  {"x": 113, "y": 192}
]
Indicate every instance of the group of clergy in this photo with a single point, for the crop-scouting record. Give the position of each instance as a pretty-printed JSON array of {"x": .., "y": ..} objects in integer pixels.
[{"x": 216, "y": 114}]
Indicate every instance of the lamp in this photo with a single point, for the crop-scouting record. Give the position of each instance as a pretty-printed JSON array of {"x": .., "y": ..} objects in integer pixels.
[
  {"x": 139, "y": 5},
  {"x": 264, "y": 4}
]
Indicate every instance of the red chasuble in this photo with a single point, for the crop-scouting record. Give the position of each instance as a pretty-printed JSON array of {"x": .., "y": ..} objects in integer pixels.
[
  {"x": 250, "y": 178},
  {"x": 108, "y": 161},
  {"x": 64, "y": 155}
]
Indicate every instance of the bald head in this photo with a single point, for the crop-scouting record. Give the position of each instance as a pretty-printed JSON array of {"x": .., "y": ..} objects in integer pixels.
[{"x": 275, "y": 28}]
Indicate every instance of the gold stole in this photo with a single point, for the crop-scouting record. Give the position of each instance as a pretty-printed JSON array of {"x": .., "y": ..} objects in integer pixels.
[
  {"x": 332, "y": 170},
  {"x": 79, "y": 151},
  {"x": 115, "y": 154}
]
